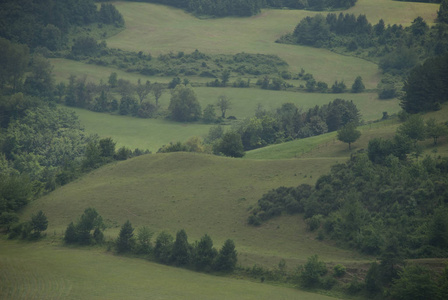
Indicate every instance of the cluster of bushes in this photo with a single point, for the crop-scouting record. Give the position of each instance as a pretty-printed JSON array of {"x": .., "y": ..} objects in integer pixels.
[
  {"x": 88, "y": 50},
  {"x": 374, "y": 196},
  {"x": 286, "y": 123},
  {"x": 31, "y": 229}
]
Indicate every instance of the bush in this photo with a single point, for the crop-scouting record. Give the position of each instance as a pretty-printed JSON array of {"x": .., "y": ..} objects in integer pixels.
[{"x": 339, "y": 270}]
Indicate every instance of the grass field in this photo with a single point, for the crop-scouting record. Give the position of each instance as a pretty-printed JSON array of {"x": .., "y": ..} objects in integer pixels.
[
  {"x": 153, "y": 133},
  {"x": 201, "y": 194},
  {"x": 44, "y": 271}
]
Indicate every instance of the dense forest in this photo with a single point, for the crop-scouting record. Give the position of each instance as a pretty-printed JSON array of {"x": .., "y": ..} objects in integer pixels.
[{"x": 47, "y": 23}]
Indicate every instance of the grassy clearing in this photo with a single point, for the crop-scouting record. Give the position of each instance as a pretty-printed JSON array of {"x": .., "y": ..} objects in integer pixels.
[
  {"x": 395, "y": 12},
  {"x": 325, "y": 145},
  {"x": 201, "y": 194},
  {"x": 45, "y": 271},
  {"x": 153, "y": 133},
  {"x": 139, "y": 133},
  {"x": 160, "y": 29}
]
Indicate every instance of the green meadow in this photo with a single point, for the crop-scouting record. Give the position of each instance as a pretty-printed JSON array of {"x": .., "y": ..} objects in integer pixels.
[
  {"x": 46, "y": 271},
  {"x": 201, "y": 193}
]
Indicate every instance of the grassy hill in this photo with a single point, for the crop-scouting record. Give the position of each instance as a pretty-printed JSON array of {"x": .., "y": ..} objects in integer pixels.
[{"x": 198, "y": 193}]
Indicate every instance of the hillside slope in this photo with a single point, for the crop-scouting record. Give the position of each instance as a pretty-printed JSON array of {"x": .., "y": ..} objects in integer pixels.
[{"x": 198, "y": 193}]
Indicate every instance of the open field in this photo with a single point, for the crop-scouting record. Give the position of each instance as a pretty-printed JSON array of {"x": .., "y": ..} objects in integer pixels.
[
  {"x": 44, "y": 271},
  {"x": 159, "y": 29},
  {"x": 201, "y": 194},
  {"x": 153, "y": 133}
]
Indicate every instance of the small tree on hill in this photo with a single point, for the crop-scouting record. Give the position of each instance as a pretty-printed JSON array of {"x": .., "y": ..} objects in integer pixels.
[
  {"x": 358, "y": 85},
  {"x": 227, "y": 257},
  {"x": 435, "y": 130},
  {"x": 223, "y": 104},
  {"x": 163, "y": 247},
  {"x": 204, "y": 253},
  {"x": 348, "y": 134},
  {"x": 184, "y": 105},
  {"x": 312, "y": 271},
  {"x": 181, "y": 253},
  {"x": 39, "y": 223},
  {"x": 125, "y": 241},
  {"x": 230, "y": 145}
]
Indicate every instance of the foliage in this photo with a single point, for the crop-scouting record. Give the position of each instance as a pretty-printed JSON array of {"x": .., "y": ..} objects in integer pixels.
[
  {"x": 230, "y": 145},
  {"x": 426, "y": 86},
  {"x": 362, "y": 202},
  {"x": 312, "y": 271},
  {"x": 125, "y": 241},
  {"x": 358, "y": 85},
  {"x": 39, "y": 223},
  {"x": 339, "y": 270},
  {"x": 414, "y": 282},
  {"x": 227, "y": 257},
  {"x": 46, "y": 24},
  {"x": 163, "y": 247},
  {"x": 223, "y": 8},
  {"x": 87, "y": 231},
  {"x": 349, "y": 134},
  {"x": 184, "y": 105},
  {"x": 204, "y": 253},
  {"x": 181, "y": 251}
]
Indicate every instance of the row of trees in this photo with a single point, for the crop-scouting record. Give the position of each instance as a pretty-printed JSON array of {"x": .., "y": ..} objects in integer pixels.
[
  {"x": 286, "y": 123},
  {"x": 201, "y": 255},
  {"x": 222, "y": 8},
  {"x": 31, "y": 229}
]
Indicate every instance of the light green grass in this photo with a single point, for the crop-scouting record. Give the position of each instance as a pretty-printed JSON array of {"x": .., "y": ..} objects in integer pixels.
[
  {"x": 139, "y": 133},
  {"x": 395, "y": 12},
  {"x": 160, "y": 29},
  {"x": 153, "y": 133},
  {"x": 201, "y": 194},
  {"x": 44, "y": 271}
]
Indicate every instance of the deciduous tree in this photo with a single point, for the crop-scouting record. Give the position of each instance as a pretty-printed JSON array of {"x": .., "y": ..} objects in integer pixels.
[{"x": 349, "y": 134}]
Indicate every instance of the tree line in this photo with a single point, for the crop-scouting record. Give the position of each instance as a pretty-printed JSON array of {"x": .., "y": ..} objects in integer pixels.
[
  {"x": 245, "y": 8},
  {"x": 395, "y": 48},
  {"x": 200, "y": 255}
]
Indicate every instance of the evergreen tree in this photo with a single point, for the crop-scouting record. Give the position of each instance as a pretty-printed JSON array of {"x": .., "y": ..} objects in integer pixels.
[
  {"x": 204, "y": 253},
  {"x": 163, "y": 247},
  {"x": 227, "y": 257},
  {"x": 39, "y": 223},
  {"x": 358, "y": 85},
  {"x": 181, "y": 254},
  {"x": 125, "y": 241},
  {"x": 71, "y": 236}
]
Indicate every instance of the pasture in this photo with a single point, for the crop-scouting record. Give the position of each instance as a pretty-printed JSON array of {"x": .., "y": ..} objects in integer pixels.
[
  {"x": 201, "y": 194},
  {"x": 45, "y": 271}
]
